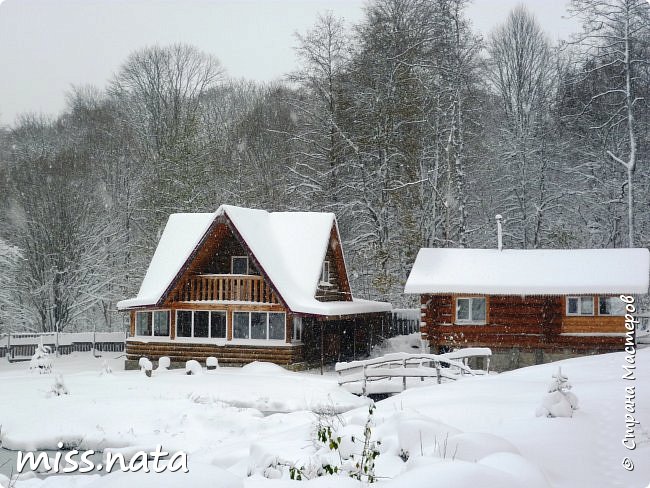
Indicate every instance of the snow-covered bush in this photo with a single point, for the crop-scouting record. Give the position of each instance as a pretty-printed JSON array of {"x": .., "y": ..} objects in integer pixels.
[
  {"x": 342, "y": 451},
  {"x": 212, "y": 363},
  {"x": 41, "y": 360},
  {"x": 193, "y": 367},
  {"x": 163, "y": 363},
  {"x": 59, "y": 388},
  {"x": 560, "y": 401},
  {"x": 146, "y": 366}
]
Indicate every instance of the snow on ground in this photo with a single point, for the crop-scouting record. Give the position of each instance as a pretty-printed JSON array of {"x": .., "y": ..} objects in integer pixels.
[{"x": 476, "y": 432}]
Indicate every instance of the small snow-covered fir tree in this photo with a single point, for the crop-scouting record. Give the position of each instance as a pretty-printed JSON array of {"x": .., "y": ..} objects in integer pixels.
[
  {"x": 41, "y": 360},
  {"x": 560, "y": 401},
  {"x": 59, "y": 388}
]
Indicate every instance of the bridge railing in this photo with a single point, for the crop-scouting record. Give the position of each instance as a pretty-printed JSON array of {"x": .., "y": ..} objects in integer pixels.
[{"x": 450, "y": 366}]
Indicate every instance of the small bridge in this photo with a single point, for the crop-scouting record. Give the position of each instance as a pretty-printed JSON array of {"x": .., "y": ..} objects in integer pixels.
[{"x": 374, "y": 376}]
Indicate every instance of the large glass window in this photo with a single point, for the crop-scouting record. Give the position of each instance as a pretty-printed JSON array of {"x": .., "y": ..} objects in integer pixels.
[
  {"x": 184, "y": 323},
  {"x": 276, "y": 326},
  {"x": 143, "y": 323},
  {"x": 161, "y": 323},
  {"x": 580, "y": 305},
  {"x": 154, "y": 323},
  {"x": 258, "y": 325},
  {"x": 218, "y": 325},
  {"x": 240, "y": 325},
  {"x": 201, "y": 323},
  {"x": 471, "y": 310},
  {"x": 611, "y": 306}
]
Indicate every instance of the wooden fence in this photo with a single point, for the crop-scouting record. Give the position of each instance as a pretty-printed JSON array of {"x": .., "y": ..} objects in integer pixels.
[
  {"x": 22, "y": 346},
  {"x": 403, "y": 321}
]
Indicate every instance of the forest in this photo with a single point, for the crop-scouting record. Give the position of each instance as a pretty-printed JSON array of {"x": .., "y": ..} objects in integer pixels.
[{"x": 409, "y": 126}]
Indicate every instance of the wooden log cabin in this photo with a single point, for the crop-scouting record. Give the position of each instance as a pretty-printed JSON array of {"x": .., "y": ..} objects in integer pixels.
[
  {"x": 529, "y": 306},
  {"x": 243, "y": 285}
]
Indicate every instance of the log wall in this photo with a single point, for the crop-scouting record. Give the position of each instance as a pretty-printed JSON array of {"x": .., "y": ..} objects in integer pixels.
[
  {"x": 533, "y": 322},
  {"x": 230, "y": 354}
]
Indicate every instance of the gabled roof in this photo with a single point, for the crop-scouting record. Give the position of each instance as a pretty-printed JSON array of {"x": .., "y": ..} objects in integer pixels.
[
  {"x": 289, "y": 246},
  {"x": 530, "y": 271}
]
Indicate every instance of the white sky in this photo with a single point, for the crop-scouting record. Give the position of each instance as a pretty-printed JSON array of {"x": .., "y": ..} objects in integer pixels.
[{"x": 48, "y": 45}]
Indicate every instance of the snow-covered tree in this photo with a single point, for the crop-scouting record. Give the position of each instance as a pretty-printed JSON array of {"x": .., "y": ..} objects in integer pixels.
[
  {"x": 614, "y": 47},
  {"x": 559, "y": 401}
]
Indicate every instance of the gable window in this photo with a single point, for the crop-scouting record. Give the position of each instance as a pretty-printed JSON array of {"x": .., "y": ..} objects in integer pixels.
[
  {"x": 325, "y": 272},
  {"x": 580, "y": 305},
  {"x": 470, "y": 310},
  {"x": 154, "y": 323},
  {"x": 258, "y": 325},
  {"x": 239, "y": 265},
  {"x": 201, "y": 324},
  {"x": 610, "y": 306}
]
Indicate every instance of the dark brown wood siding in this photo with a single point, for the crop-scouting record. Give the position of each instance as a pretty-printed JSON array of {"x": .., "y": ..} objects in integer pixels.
[{"x": 514, "y": 321}]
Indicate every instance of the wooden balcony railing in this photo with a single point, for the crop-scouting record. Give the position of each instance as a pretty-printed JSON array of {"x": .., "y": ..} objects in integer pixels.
[{"x": 223, "y": 287}]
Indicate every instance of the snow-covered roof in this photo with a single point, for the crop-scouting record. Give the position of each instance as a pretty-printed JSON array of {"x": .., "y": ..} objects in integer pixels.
[
  {"x": 530, "y": 271},
  {"x": 289, "y": 246}
]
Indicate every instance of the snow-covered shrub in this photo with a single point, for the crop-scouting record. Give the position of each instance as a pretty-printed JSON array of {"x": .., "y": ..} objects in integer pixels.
[
  {"x": 212, "y": 363},
  {"x": 560, "y": 401},
  {"x": 146, "y": 366},
  {"x": 193, "y": 367},
  {"x": 163, "y": 363},
  {"x": 42, "y": 359},
  {"x": 59, "y": 388},
  {"x": 345, "y": 453}
]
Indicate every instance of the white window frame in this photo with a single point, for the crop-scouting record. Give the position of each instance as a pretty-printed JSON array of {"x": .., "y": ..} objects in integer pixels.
[
  {"x": 579, "y": 312},
  {"x": 325, "y": 272},
  {"x": 470, "y": 321},
  {"x": 605, "y": 297},
  {"x": 209, "y": 324},
  {"x": 267, "y": 312},
  {"x": 232, "y": 264},
  {"x": 153, "y": 328}
]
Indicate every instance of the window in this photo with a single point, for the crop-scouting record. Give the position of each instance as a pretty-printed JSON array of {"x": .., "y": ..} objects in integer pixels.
[
  {"x": 218, "y": 325},
  {"x": 580, "y": 305},
  {"x": 183, "y": 323},
  {"x": 143, "y": 323},
  {"x": 201, "y": 324},
  {"x": 154, "y": 323},
  {"x": 258, "y": 325},
  {"x": 470, "y": 310},
  {"x": 297, "y": 328},
  {"x": 325, "y": 272},
  {"x": 611, "y": 306},
  {"x": 240, "y": 325},
  {"x": 161, "y": 323},
  {"x": 239, "y": 265}
]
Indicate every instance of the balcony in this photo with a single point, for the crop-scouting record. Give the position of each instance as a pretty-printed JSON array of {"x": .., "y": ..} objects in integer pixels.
[{"x": 226, "y": 288}]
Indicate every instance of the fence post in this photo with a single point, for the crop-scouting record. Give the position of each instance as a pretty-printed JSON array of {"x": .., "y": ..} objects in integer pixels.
[
  {"x": 437, "y": 364},
  {"x": 364, "y": 384},
  {"x": 404, "y": 377},
  {"x": 487, "y": 367},
  {"x": 9, "y": 354}
]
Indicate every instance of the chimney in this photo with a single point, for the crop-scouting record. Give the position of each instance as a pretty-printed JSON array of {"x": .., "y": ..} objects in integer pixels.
[{"x": 499, "y": 232}]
